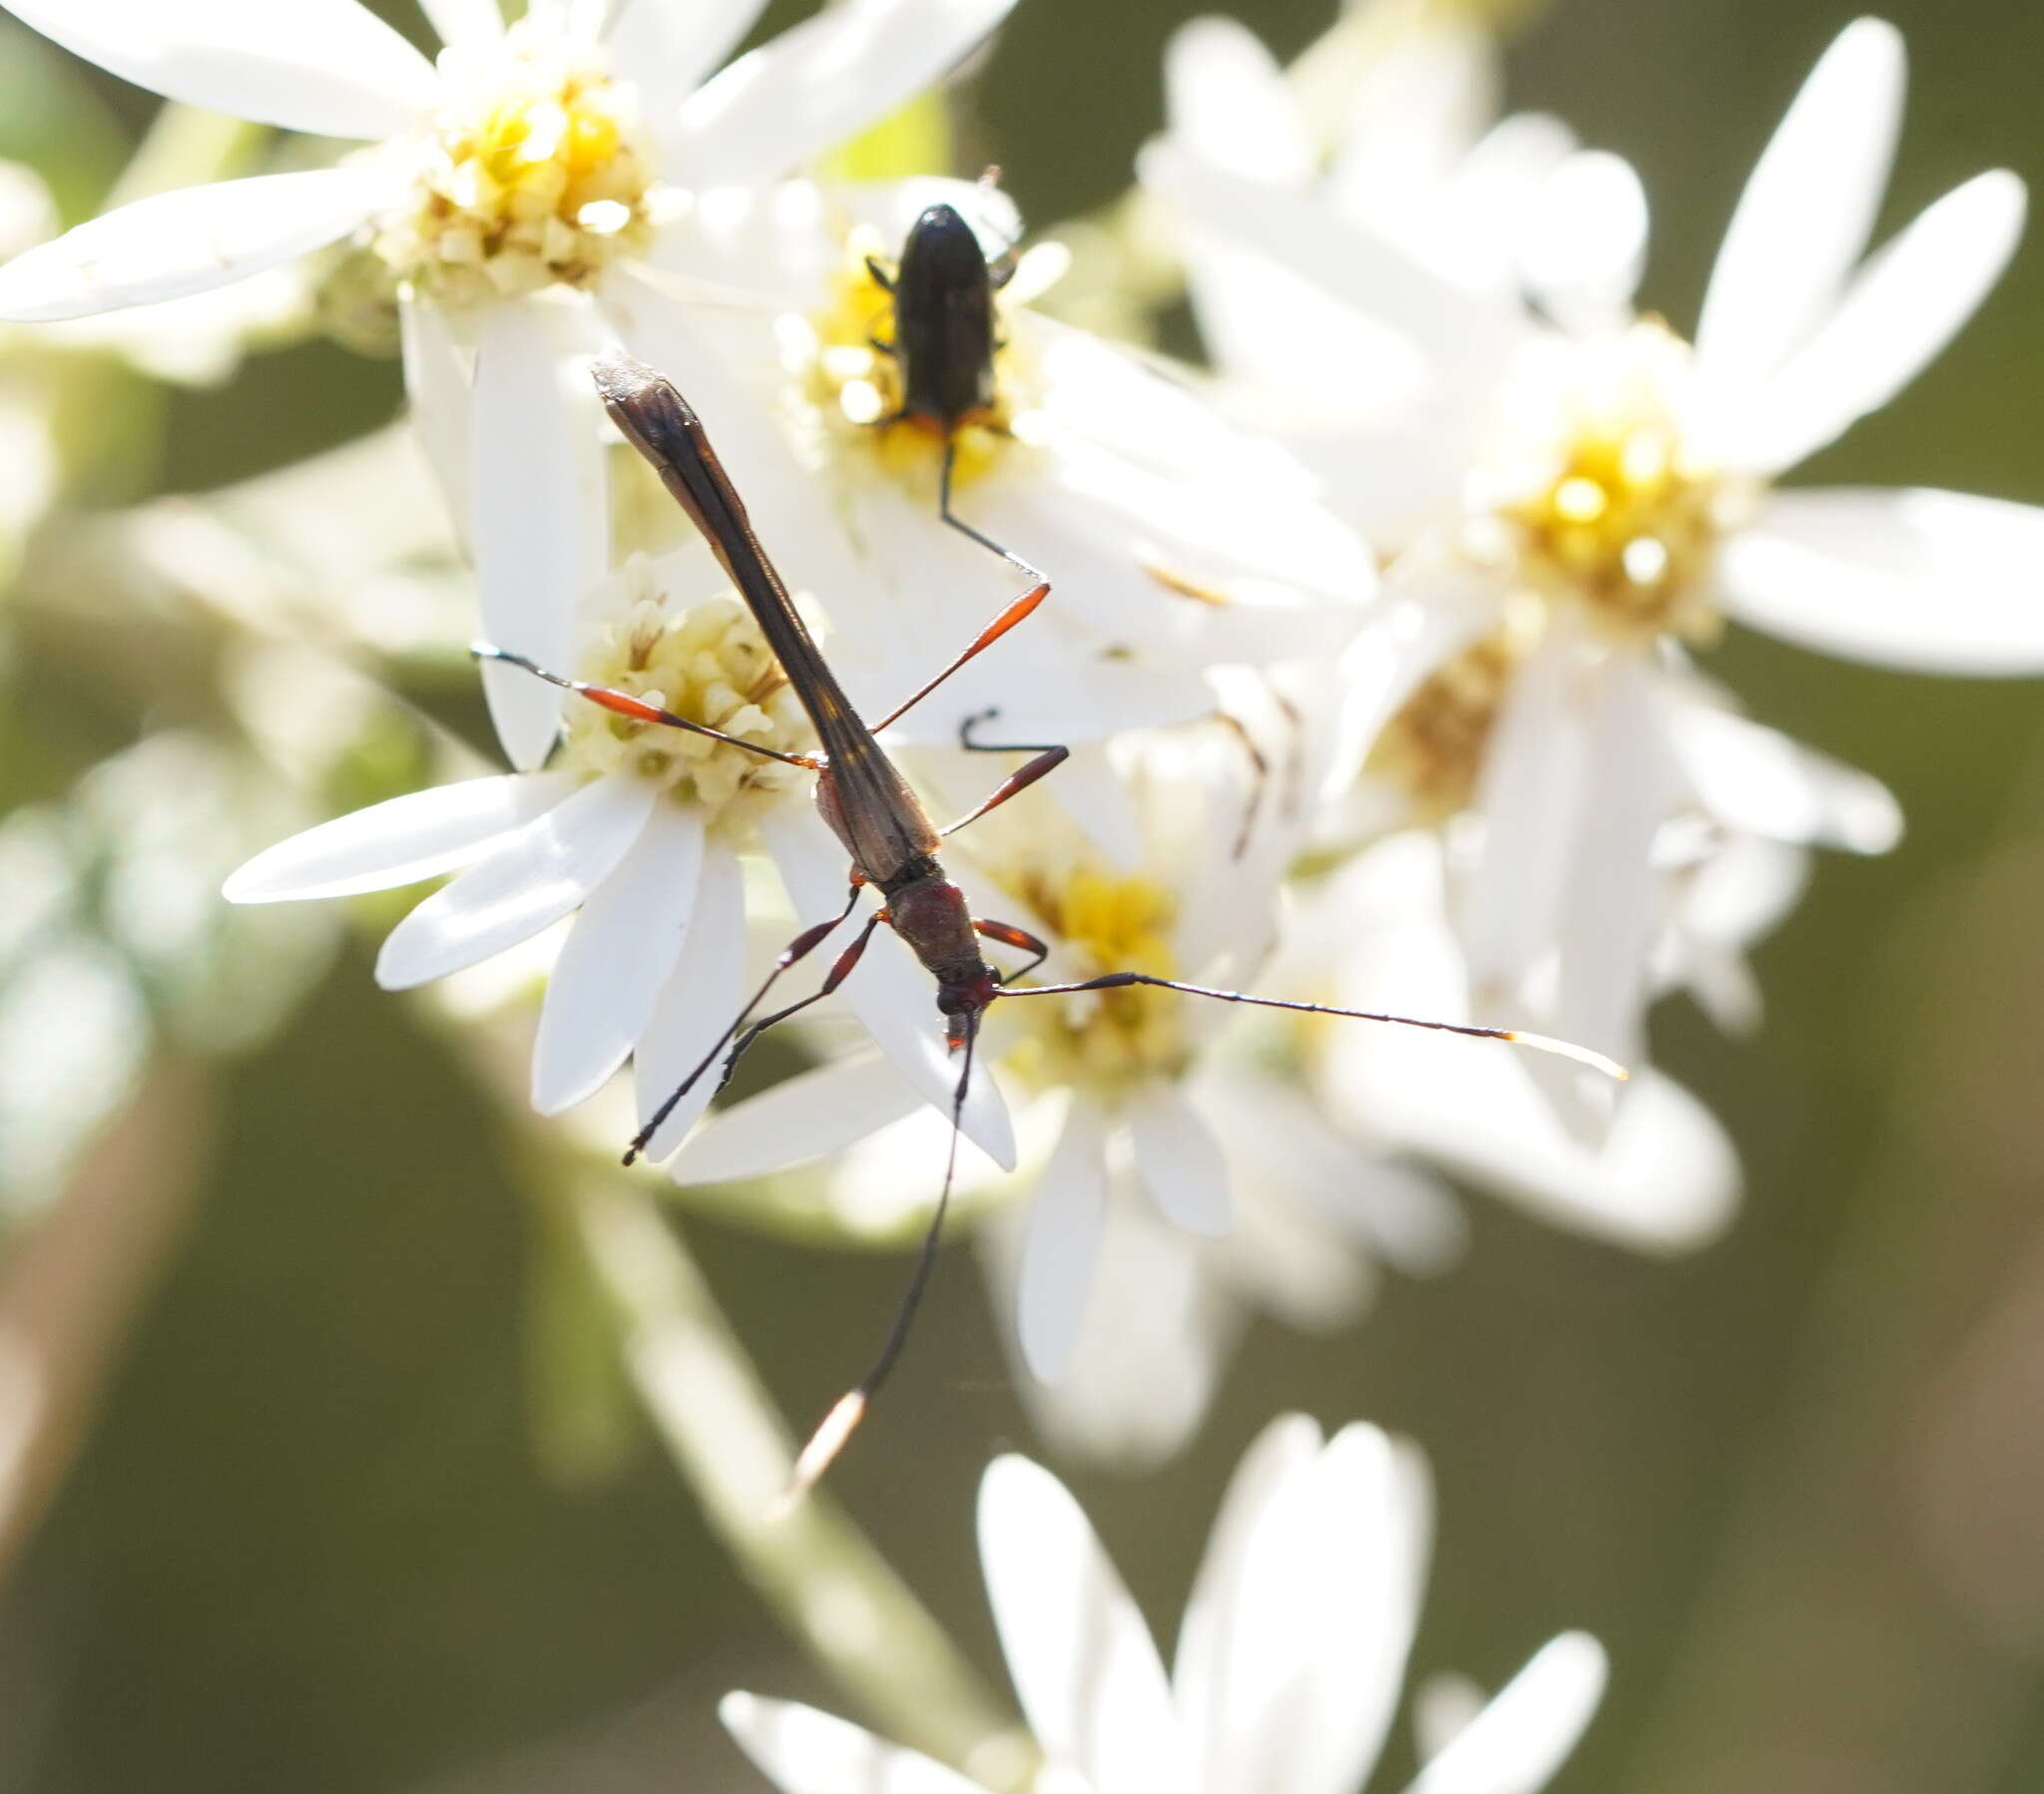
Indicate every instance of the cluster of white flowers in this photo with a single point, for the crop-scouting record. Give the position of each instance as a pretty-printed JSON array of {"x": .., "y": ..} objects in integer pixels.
[{"x": 1378, "y": 647}]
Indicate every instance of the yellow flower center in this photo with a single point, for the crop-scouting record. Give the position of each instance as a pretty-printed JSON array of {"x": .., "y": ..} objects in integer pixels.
[
  {"x": 711, "y": 664},
  {"x": 1103, "y": 1038},
  {"x": 533, "y": 173},
  {"x": 1600, "y": 489},
  {"x": 1433, "y": 747},
  {"x": 855, "y": 386}
]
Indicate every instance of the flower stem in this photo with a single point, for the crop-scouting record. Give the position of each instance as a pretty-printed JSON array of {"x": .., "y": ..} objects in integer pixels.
[{"x": 817, "y": 1570}]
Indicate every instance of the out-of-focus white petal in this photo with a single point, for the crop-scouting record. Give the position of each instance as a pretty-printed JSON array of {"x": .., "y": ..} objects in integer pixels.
[
  {"x": 1526, "y": 1732},
  {"x": 536, "y": 498},
  {"x": 187, "y": 241},
  {"x": 1665, "y": 1179},
  {"x": 667, "y": 50},
  {"x": 1082, "y": 1660},
  {"x": 1373, "y": 1519},
  {"x": 528, "y": 884},
  {"x": 814, "y": 1115},
  {"x": 1755, "y": 778},
  {"x": 1902, "y": 307},
  {"x": 1530, "y": 798},
  {"x": 1285, "y": 1450},
  {"x": 1415, "y": 113},
  {"x": 1178, "y": 1159},
  {"x": 818, "y": 84},
  {"x": 1932, "y": 582},
  {"x": 418, "y": 835},
  {"x": 1292, "y": 1659},
  {"x": 618, "y": 955},
  {"x": 892, "y": 996},
  {"x": 1346, "y": 259},
  {"x": 1150, "y": 1349},
  {"x": 1807, "y": 207},
  {"x": 808, "y": 1752},
  {"x": 1606, "y": 917},
  {"x": 699, "y": 1000},
  {"x": 1585, "y": 240},
  {"x": 329, "y": 67},
  {"x": 440, "y": 392},
  {"x": 1225, "y": 98},
  {"x": 1430, "y": 612},
  {"x": 1062, "y": 1242},
  {"x": 471, "y": 22}
]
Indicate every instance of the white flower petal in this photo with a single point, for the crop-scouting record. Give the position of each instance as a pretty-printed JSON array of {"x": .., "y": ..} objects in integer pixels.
[
  {"x": 1665, "y": 1179},
  {"x": 470, "y": 22},
  {"x": 1526, "y": 1732},
  {"x": 1178, "y": 1159},
  {"x": 536, "y": 509},
  {"x": 1903, "y": 307},
  {"x": 418, "y": 835},
  {"x": 602, "y": 990},
  {"x": 1530, "y": 798},
  {"x": 1757, "y": 779},
  {"x": 1585, "y": 240},
  {"x": 819, "y": 83},
  {"x": 667, "y": 50},
  {"x": 815, "y": 1115},
  {"x": 329, "y": 67},
  {"x": 1414, "y": 114},
  {"x": 1082, "y": 1660},
  {"x": 1373, "y": 1518},
  {"x": 892, "y": 996},
  {"x": 1933, "y": 581},
  {"x": 808, "y": 1752},
  {"x": 1430, "y": 612},
  {"x": 1062, "y": 1242},
  {"x": 1285, "y": 1450},
  {"x": 440, "y": 391},
  {"x": 1807, "y": 207},
  {"x": 1608, "y": 912},
  {"x": 1346, "y": 259},
  {"x": 696, "y": 1004},
  {"x": 1301, "y": 1673},
  {"x": 1225, "y": 97},
  {"x": 187, "y": 241},
  {"x": 1150, "y": 1352},
  {"x": 530, "y": 883}
]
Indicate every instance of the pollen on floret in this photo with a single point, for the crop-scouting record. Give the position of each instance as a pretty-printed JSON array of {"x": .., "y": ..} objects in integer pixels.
[
  {"x": 1595, "y": 488},
  {"x": 710, "y": 664},
  {"x": 533, "y": 173},
  {"x": 1104, "y": 922},
  {"x": 1433, "y": 747},
  {"x": 837, "y": 355}
]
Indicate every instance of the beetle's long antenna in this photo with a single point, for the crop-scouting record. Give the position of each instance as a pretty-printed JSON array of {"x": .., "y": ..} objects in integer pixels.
[
  {"x": 1512, "y": 1037},
  {"x": 838, "y": 1425}
]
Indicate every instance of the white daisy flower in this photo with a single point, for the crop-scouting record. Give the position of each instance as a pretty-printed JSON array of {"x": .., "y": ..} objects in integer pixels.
[
  {"x": 1292, "y": 1652},
  {"x": 1175, "y": 542},
  {"x": 1313, "y": 1216},
  {"x": 1619, "y": 504},
  {"x": 1174, "y": 874},
  {"x": 637, "y": 833},
  {"x": 511, "y": 184}
]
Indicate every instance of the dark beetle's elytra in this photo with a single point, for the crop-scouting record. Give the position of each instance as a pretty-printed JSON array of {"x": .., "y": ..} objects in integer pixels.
[{"x": 945, "y": 325}]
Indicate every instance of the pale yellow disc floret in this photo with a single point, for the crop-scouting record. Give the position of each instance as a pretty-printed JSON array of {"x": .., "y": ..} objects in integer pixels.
[
  {"x": 1597, "y": 482},
  {"x": 853, "y": 387},
  {"x": 533, "y": 173},
  {"x": 711, "y": 664},
  {"x": 1102, "y": 1039},
  {"x": 1434, "y": 744}
]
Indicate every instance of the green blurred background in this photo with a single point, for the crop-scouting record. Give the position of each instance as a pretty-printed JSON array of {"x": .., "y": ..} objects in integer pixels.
[{"x": 1795, "y": 1483}]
